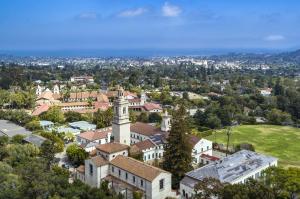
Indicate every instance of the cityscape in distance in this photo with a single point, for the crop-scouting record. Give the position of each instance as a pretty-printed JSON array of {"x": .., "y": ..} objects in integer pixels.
[{"x": 136, "y": 99}]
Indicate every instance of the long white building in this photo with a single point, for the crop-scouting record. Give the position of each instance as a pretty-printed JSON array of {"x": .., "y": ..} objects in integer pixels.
[{"x": 236, "y": 168}]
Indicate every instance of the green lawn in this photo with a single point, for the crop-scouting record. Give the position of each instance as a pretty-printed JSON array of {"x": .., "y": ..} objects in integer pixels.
[{"x": 278, "y": 141}]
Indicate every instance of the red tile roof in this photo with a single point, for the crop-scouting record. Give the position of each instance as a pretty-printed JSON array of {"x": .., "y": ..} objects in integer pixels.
[
  {"x": 152, "y": 106},
  {"x": 146, "y": 144},
  {"x": 135, "y": 100},
  {"x": 137, "y": 168},
  {"x": 99, "y": 161},
  {"x": 101, "y": 105},
  {"x": 41, "y": 109},
  {"x": 112, "y": 147},
  {"x": 212, "y": 158},
  {"x": 95, "y": 135},
  {"x": 144, "y": 129}
]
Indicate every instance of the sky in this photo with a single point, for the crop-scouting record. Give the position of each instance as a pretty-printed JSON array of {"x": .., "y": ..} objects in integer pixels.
[{"x": 142, "y": 24}]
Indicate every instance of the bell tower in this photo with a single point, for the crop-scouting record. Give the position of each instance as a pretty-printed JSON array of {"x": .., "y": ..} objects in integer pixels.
[
  {"x": 121, "y": 122},
  {"x": 166, "y": 122}
]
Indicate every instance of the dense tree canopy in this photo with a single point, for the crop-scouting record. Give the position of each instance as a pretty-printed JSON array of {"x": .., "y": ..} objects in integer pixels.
[{"x": 177, "y": 156}]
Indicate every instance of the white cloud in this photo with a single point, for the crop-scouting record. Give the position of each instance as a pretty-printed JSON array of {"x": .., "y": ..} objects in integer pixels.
[
  {"x": 133, "y": 12},
  {"x": 88, "y": 15},
  {"x": 169, "y": 10},
  {"x": 274, "y": 38}
]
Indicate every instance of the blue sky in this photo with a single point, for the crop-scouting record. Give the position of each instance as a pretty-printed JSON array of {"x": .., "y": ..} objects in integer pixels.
[{"x": 135, "y": 24}]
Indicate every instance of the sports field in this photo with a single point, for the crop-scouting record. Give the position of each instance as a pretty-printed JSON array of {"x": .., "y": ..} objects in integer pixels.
[{"x": 278, "y": 141}]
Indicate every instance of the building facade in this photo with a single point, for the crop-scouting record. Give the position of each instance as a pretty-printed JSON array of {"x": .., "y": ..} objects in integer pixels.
[{"x": 236, "y": 168}]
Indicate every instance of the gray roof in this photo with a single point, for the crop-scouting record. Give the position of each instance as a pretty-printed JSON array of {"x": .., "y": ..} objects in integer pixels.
[
  {"x": 67, "y": 130},
  {"x": 46, "y": 123},
  {"x": 11, "y": 129},
  {"x": 35, "y": 139},
  {"x": 158, "y": 139},
  {"x": 83, "y": 125},
  {"x": 232, "y": 167}
]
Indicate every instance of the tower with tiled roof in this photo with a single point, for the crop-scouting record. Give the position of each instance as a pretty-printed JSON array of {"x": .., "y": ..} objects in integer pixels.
[
  {"x": 166, "y": 122},
  {"x": 121, "y": 122}
]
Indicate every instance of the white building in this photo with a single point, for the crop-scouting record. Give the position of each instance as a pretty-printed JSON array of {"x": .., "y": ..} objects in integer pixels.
[
  {"x": 39, "y": 90},
  {"x": 90, "y": 139},
  {"x": 166, "y": 122},
  {"x": 236, "y": 168},
  {"x": 200, "y": 147},
  {"x": 266, "y": 92},
  {"x": 126, "y": 175},
  {"x": 151, "y": 149},
  {"x": 151, "y": 140},
  {"x": 111, "y": 150},
  {"x": 56, "y": 89},
  {"x": 121, "y": 123}
]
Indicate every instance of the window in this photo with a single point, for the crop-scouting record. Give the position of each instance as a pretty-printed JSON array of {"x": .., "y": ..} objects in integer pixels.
[
  {"x": 183, "y": 192},
  {"x": 91, "y": 169},
  {"x": 145, "y": 158},
  {"x": 113, "y": 156},
  {"x": 124, "y": 110},
  {"x": 119, "y": 172},
  {"x": 113, "y": 169},
  {"x": 133, "y": 179},
  {"x": 126, "y": 176},
  {"x": 201, "y": 149},
  {"x": 123, "y": 153},
  {"x": 149, "y": 157},
  {"x": 142, "y": 183},
  {"x": 161, "y": 184},
  {"x": 207, "y": 147},
  {"x": 152, "y": 155}
]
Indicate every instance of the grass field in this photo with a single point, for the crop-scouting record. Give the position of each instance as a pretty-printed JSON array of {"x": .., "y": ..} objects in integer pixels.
[{"x": 278, "y": 141}]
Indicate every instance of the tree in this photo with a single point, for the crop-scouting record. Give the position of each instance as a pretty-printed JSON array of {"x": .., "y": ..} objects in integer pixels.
[
  {"x": 76, "y": 154},
  {"x": 72, "y": 116},
  {"x": 132, "y": 116},
  {"x": 69, "y": 137},
  {"x": 250, "y": 189},
  {"x": 17, "y": 139},
  {"x": 103, "y": 118},
  {"x": 33, "y": 125},
  {"x": 19, "y": 153},
  {"x": 208, "y": 188},
  {"x": 213, "y": 122},
  {"x": 54, "y": 114},
  {"x": 284, "y": 183},
  {"x": 57, "y": 141},
  {"x": 177, "y": 157},
  {"x": 155, "y": 118},
  {"x": 48, "y": 152},
  {"x": 143, "y": 117},
  {"x": 279, "y": 117},
  {"x": 9, "y": 182},
  {"x": 137, "y": 195}
]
